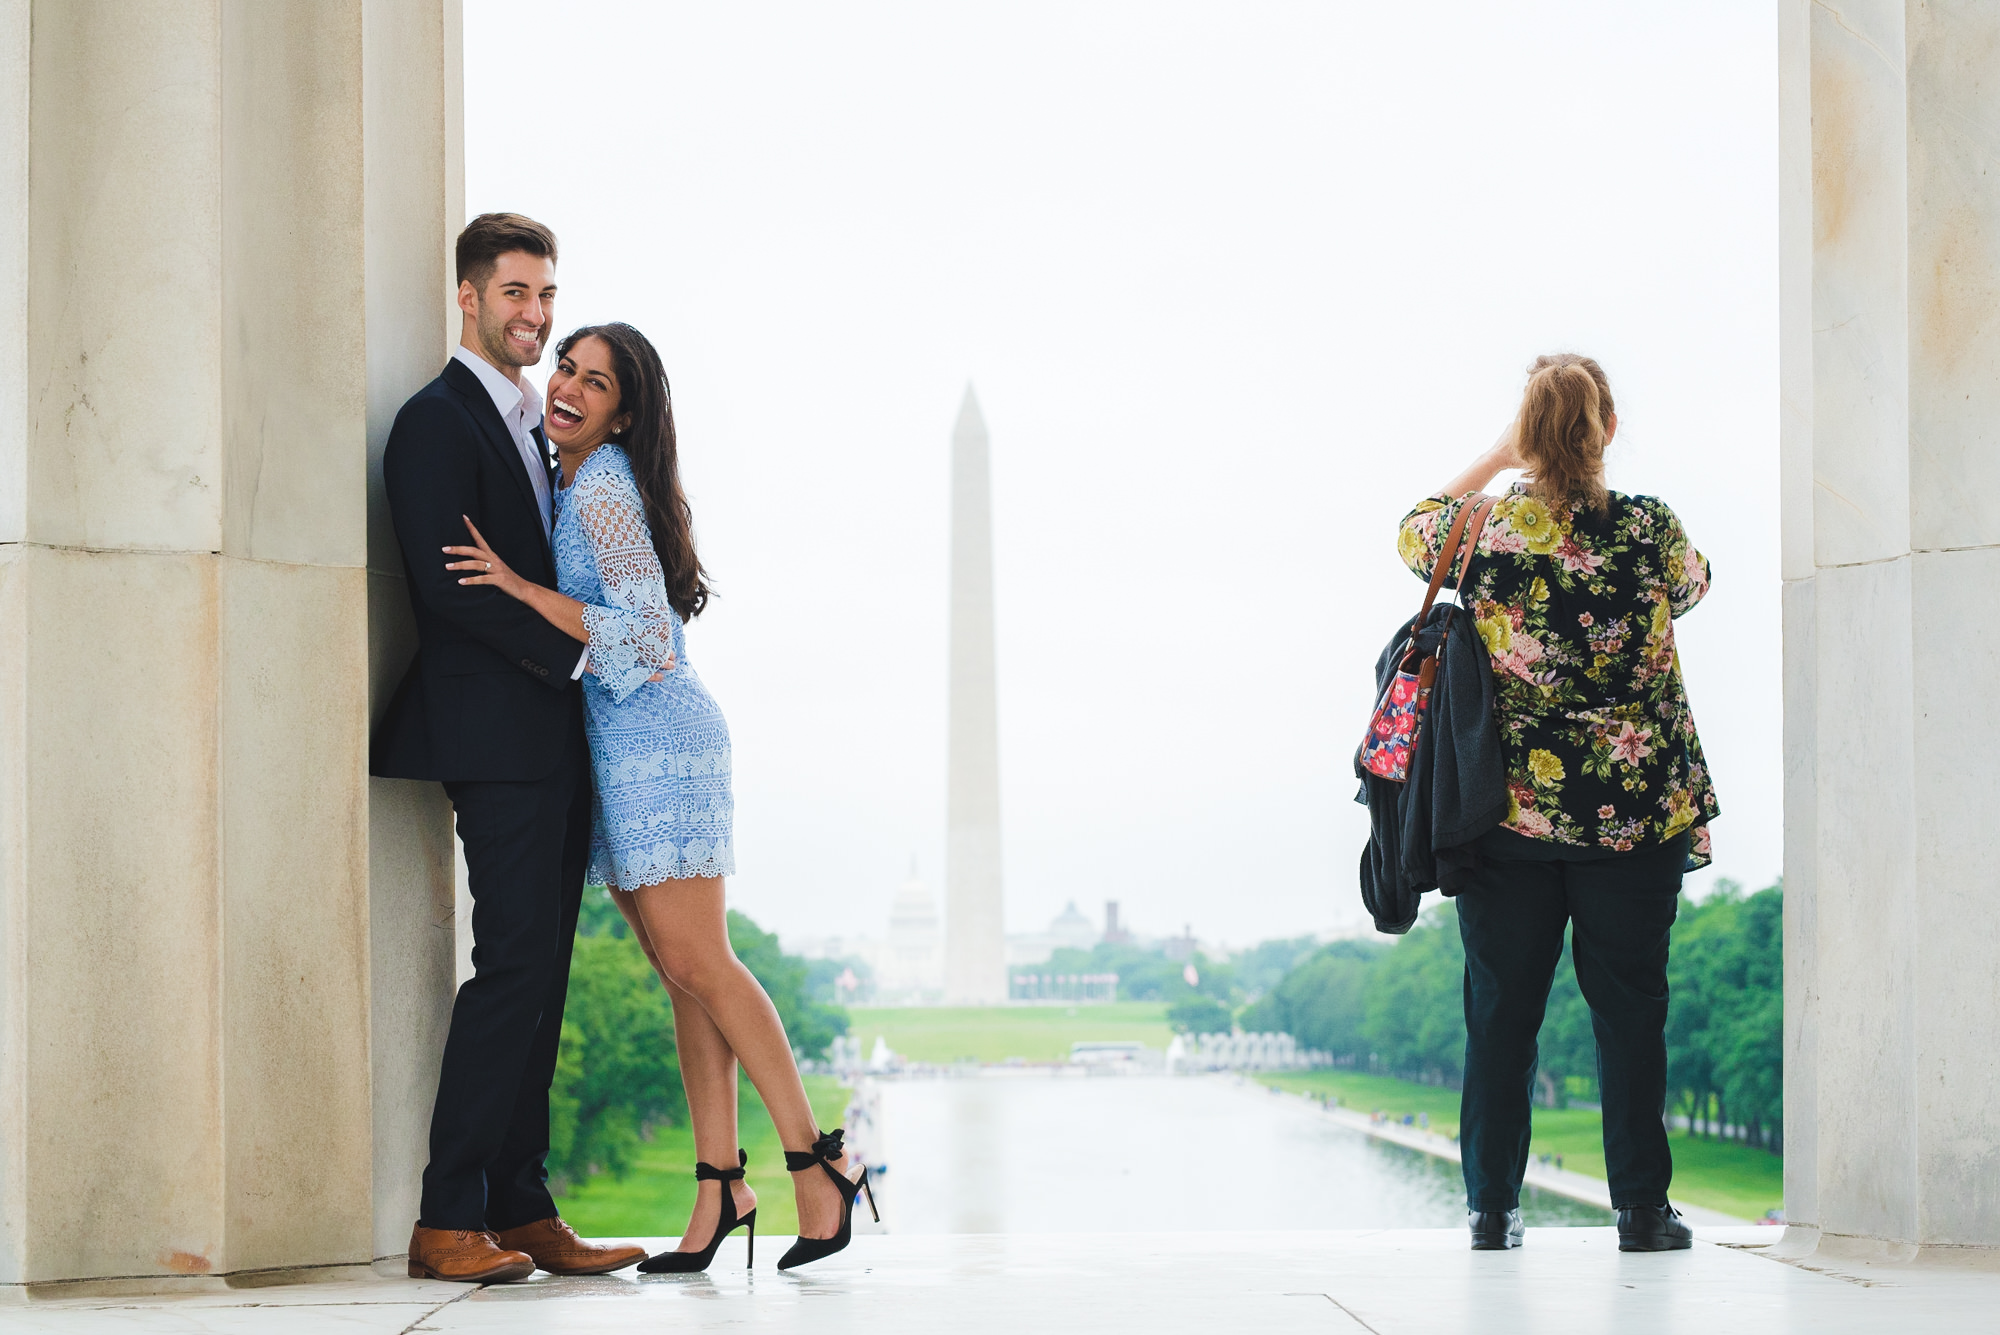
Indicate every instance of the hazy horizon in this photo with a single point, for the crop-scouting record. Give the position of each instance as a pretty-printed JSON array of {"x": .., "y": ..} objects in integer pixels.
[{"x": 1236, "y": 287}]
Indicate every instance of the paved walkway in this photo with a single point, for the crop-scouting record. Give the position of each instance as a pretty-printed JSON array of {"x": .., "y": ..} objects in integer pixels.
[{"x": 1398, "y": 1282}]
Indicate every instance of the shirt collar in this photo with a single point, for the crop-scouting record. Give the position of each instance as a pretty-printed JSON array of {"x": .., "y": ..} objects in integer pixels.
[{"x": 506, "y": 395}]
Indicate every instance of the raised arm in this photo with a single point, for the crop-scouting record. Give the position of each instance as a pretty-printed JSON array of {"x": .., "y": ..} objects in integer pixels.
[
  {"x": 1504, "y": 454},
  {"x": 1423, "y": 531}
]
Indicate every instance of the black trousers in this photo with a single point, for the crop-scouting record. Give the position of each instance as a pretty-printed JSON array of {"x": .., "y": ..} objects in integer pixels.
[
  {"x": 526, "y": 848},
  {"x": 1621, "y": 908}
]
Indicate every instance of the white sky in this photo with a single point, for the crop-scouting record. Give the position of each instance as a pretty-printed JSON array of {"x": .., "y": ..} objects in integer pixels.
[{"x": 1237, "y": 285}]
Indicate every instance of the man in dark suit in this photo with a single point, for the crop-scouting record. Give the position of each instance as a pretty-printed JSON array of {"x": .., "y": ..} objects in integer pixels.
[{"x": 491, "y": 709}]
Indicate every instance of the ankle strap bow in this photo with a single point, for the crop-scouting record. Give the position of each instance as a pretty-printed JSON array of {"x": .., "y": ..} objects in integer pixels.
[
  {"x": 825, "y": 1150},
  {"x": 710, "y": 1173}
]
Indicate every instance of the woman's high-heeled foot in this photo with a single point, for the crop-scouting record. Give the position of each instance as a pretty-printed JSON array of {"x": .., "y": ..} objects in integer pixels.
[
  {"x": 687, "y": 1263},
  {"x": 824, "y": 1151}
]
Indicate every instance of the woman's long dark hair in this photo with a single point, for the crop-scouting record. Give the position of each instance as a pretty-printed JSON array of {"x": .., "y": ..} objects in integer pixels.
[{"x": 654, "y": 453}]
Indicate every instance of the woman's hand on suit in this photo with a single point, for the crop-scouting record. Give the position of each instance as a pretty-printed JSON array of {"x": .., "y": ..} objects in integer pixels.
[{"x": 484, "y": 566}]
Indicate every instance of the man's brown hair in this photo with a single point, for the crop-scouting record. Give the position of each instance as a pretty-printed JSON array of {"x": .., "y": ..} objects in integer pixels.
[{"x": 491, "y": 235}]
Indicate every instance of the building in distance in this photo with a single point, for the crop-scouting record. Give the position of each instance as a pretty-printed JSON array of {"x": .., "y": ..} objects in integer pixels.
[
  {"x": 904, "y": 966},
  {"x": 1068, "y": 930}
]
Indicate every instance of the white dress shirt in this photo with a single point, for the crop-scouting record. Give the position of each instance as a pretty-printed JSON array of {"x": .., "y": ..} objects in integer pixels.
[{"x": 521, "y": 409}]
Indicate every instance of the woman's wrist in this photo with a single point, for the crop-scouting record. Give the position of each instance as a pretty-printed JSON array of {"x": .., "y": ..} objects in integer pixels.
[
  {"x": 558, "y": 609},
  {"x": 1483, "y": 470}
]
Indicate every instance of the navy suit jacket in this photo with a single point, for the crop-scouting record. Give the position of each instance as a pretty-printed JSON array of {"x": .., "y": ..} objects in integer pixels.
[{"x": 490, "y": 694}]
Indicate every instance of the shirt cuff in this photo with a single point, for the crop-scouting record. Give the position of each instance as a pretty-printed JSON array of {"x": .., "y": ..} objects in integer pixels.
[{"x": 581, "y": 664}]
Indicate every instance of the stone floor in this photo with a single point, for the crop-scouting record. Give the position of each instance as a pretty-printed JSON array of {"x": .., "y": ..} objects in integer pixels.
[{"x": 1395, "y": 1282}]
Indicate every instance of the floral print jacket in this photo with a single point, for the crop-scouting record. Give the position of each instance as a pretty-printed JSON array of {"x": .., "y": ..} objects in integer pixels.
[{"x": 1577, "y": 610}]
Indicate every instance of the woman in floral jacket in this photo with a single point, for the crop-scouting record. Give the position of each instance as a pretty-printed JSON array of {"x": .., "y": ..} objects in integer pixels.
[{"x": 1574, "y": 589}]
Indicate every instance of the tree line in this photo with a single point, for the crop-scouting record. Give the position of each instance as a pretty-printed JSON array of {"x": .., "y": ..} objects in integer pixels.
[
  {"x": 1398, "y": 1009},
  {"x": 618, "y": 1073},
  {"x": 1206, "y": 1005}
]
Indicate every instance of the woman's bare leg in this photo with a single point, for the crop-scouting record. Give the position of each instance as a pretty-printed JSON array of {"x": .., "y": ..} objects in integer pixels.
[
  {"x": 708, "y": 1073},
  {"x": 687, "y": 923}
]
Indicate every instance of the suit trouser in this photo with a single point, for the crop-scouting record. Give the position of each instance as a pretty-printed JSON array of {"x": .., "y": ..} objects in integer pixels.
[
  {"x": 1621, "y": 909},
  {"x": 526, "y": 848}
]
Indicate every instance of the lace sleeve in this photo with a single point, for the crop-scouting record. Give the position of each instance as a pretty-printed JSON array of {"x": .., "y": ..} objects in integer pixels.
[{"x": 632, "y": 636}]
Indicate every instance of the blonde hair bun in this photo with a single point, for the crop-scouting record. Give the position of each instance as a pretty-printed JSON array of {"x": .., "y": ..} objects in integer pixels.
[{"x": 1564, "y": 410}]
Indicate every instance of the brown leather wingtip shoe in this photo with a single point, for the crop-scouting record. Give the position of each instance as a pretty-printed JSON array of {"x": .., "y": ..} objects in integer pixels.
[
  {"x": 558, "y": 1250},
  {"x": 466, "y": 1256}
]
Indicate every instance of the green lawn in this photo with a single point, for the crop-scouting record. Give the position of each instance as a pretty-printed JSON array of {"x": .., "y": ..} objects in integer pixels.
[
  {"x": 654, "y": 1198},
  {"x": 1715, "y": 1174},
  {"x": 1371, "y": 1093},
  {"x": 944, "y": 1034}
]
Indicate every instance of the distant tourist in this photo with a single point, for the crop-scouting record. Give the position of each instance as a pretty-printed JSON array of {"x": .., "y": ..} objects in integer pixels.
[
  {"x": 661, "y": 828},
  {"x": 1574, "y": 589}
]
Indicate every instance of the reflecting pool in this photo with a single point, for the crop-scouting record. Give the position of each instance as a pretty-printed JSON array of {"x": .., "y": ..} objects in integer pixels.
[{"x": 1045, "y": 1154}]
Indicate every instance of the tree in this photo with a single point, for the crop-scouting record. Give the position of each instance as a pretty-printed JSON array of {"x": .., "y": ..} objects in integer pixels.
[
  {"x": 1403, "y": 1007},
  {"x": 1567, "y": 1047},
  {"x": 1262, "y": 967},
  {"x": 1323, "y": 1001},
  {"x": 1725, "y": 1026},
  {"x": 1413, "y": 1023},
  {"x": 810, "y": 1025},
  {"x": 823, "y": 978},
  {"x": 617, "y": 1072},
  {"x": 1700, "y": 943},
  {"x": 1197, "y": 1014},
  {"x": 1145, "y": 973}
]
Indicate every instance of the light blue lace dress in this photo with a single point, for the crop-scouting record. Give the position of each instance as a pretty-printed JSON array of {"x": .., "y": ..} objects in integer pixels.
[{"x": 659, "y": 751}]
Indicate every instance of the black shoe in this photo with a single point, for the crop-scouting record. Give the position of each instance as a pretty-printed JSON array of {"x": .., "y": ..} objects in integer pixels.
[
  {"x": 824, "y": 1151},
  {"x": 1493, "y": 1231},
  {"x": 687, "y": 1263},
  {"x": 1653, "y": 1228}
]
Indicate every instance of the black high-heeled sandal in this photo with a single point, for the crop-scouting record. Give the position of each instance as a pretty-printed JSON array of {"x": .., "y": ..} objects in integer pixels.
[
  {"x": 824, "y": 1151},
  {"x": 687, "y": 1263}
]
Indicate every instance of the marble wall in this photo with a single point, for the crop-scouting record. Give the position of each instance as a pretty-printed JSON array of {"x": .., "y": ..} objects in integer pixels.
[
  {"x": 1890, "y": 210},
  {"x": 225, "y": 954}
]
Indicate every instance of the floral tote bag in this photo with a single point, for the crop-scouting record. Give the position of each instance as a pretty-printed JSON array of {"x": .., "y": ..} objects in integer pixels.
[{"x": 1398, "y": 721}]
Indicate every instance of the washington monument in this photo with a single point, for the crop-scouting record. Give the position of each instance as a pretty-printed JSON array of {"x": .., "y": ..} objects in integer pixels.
[{"x": 975, "y": 965}]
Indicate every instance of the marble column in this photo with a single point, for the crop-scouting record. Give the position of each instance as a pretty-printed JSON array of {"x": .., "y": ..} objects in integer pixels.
[
  {"x": 975, "y": 959},
  {"x": 223, "y": 226},
  {"x": 1890, "y": 349}
]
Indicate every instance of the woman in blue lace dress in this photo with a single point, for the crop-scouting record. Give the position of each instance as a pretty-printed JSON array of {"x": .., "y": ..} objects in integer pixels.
[{"x": 659, "y": 748}]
